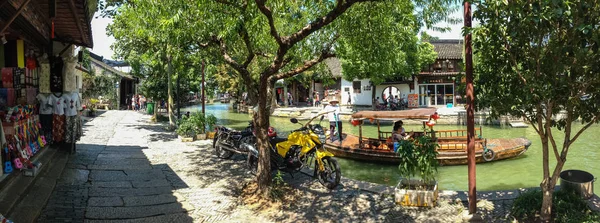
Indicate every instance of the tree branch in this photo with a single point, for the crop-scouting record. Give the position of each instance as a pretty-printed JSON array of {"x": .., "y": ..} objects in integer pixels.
[
  {"x": 269, "y": 14},
  {"x": 584, "y": 128},
  {"x": 549, "y": 130},
  {"x": 340, "y": 8},
  {"x": 307, "y": 65},
  {"x": 246, "y": 38}
]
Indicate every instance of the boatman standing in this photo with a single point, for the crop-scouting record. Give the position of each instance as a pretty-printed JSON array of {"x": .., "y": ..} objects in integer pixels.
[{"x": 333, "y": 111}]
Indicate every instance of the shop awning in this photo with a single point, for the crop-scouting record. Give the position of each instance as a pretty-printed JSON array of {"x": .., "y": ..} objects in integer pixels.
[{"x": 31, "y": 18}]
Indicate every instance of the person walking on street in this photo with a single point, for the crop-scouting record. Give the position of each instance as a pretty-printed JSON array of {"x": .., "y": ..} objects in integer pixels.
[
  {"x": 290, "y": 99},
  {"x": 333, "y": 111},
  {"x": 349, "y": 98},
  {"x": 317, "y": 99}
]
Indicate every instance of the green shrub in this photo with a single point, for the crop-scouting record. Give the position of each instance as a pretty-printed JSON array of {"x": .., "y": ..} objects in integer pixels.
[
  {"x": 567, "y": 207},
  {"x": 186, "y": 128},
  {"x": 418, "y": 158}
]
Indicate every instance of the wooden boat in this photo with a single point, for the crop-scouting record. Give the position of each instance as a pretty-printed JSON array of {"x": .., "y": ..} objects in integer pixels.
[{"x": 453, "y": 143}]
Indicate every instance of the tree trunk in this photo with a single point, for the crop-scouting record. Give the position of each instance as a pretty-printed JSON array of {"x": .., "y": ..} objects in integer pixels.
[
  {"x": 373, "y": 95},
  {"x": 547, "y": 184},
  {"x": 261, "y": 122},
  {"x": 170, "y": 93}
]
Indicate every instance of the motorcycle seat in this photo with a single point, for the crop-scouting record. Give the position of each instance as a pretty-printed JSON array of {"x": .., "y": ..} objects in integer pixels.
[{"x": 276, "y": 140}]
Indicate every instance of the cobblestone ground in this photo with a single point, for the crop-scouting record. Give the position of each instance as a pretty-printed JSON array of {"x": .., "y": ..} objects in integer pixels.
[{"x": 129, "y": 170}]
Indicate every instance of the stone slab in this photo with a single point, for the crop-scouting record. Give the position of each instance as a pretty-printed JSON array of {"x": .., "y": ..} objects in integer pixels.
[
  {"x": 149, "y": 200},
  {"x": 103, "y": 175},
  {"x": 120, "y": 167},
  {"x": 122, "y": 162},
  {"x": 151, "y": 183},
  {"x": 121, "y": 155},
  {"x": 112, "y": 184},
  {"x": 106, "y": 213},
  {"x": 74, "y": 176},
  {"x": 179, "y": 217},
  {"x": 109, "y": 192},
  {"x": 105, "y": 202}
]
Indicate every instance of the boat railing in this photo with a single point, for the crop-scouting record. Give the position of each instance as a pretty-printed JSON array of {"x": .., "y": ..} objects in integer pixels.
[
  {"x": 460, "y": 144},
  {"x": 456, "y": 134},
  {"x": 386, "y": 135}
]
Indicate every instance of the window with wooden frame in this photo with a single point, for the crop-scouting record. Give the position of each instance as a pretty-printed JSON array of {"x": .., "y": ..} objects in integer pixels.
[{"x": 356, "y": 86}]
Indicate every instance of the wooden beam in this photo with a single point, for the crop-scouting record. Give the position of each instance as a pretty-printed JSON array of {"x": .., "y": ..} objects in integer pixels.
[
  {"x": 14, "y": 16},
  {"x": 72, "y": 6}
]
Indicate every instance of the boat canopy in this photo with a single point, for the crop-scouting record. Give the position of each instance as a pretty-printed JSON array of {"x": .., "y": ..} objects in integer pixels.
[{"x": 419, "y": 113}]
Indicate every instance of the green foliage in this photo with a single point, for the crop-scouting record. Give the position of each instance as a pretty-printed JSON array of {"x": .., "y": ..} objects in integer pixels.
[
  {"x": 198, "y": 121},
  {"x": 568, "y": 207},
  {"x": 278, "y": 187},
  {"x": 418, "y": 157},
  {"x": 186, "y": 128},
  {"x": 536, "y": 60}
]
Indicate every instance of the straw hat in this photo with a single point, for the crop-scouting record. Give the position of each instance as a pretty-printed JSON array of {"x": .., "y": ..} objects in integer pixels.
[{"x": 334, "y": 100}]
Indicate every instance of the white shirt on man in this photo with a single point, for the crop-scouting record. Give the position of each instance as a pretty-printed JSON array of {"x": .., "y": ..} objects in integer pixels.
[{"x": 334, "y": 112}]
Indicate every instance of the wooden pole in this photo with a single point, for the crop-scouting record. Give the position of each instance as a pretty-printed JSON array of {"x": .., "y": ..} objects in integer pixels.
[{"x": 470, "y": 113}]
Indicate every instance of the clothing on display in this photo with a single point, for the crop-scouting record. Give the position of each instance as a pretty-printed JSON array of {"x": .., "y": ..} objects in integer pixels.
[
  {"x": 73, "y": 131},
  {"x": 45, "y": 106},
  {"x": 56, "y": 75},
  {"x": 58, "y": 103},
  {"x": 44, "y": 78},
  {"x": 73, "y": 104},
  {"x": 58, "y": 128},
  {"x": 70, "y": 83},
  {"x": 7, "y": 77},
  {"x": 31, "y": 93}
]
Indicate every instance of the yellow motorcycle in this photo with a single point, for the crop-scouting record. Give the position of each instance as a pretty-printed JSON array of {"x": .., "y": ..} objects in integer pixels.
[{"x": 297, "y": 151}]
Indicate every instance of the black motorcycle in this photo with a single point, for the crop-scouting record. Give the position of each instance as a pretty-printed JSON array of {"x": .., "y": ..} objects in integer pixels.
[{"x": 228, "y": 141}]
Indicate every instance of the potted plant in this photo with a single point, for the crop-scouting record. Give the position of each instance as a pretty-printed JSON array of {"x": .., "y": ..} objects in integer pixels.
[
  {"x": 186, "y": 130},
  {"x": 201, "y": 123},
  {"x": 92, "y": 107},
  {"x": 417, "y": 158}
]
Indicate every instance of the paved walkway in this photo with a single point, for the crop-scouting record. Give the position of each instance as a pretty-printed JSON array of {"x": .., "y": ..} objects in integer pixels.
[{"x": 129, "y": 170}]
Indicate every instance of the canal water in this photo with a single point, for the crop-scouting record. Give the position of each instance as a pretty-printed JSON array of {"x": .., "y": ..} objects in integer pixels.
[{"x": 523, "y": 171}]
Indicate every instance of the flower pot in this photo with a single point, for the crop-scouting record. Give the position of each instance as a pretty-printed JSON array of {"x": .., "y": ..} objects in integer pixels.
[
  {"x": 201, "y": 136},
  {"x": 187, "y": 138},
  {"x": 416, "y": 193}
]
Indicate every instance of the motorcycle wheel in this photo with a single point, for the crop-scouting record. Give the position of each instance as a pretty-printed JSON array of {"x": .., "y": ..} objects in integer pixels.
[
  {"x": 329, "y": 178},
  {"x": 252, "y": 164},
  {"x": 219, "y": 151}
]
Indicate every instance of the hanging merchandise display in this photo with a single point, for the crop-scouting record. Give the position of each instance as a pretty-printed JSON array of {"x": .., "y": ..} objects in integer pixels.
[
  {"x": 73, "y": 129},
  {"x": 44, "y": 75},
  {"x": 70, "y": 83},
  {"x": 46, "y": 111},
  {"x": 4, "y": 219},
  {"x": 58, "y": 102},
  {"x": 56, "y": 75}
]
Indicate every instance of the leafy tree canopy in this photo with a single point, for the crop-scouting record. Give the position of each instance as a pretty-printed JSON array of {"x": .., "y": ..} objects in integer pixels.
[{"x": 536, "y": 60}]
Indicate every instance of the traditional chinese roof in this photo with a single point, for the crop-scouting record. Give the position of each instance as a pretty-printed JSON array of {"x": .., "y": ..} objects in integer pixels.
[
  {"x": 109, "y": 68},
  {"x": 448, "y": 49}
]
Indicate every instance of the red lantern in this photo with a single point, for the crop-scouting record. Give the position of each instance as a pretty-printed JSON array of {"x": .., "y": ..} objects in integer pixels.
[
  {"x": 430, "y": 123},
  {"x": 355, "y": 122},
  {"x": 435, "y": 116}
]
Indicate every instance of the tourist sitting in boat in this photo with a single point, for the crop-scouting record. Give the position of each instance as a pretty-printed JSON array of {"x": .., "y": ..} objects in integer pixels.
[{"x": 399, "y": 133}]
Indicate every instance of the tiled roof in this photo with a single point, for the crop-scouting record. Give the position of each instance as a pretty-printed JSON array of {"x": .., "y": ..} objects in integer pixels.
[
  {"x": 437, "y": 74},
  {"x": 448, "y": 48},
  {"x": 109, "y": 68}
]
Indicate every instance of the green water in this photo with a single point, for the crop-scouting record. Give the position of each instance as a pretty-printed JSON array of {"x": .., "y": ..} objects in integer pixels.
[{"x": 523, "y": 171}]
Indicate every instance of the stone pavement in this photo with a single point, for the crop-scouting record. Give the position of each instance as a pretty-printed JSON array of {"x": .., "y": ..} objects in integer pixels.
[{"x": 129, "y": 170}]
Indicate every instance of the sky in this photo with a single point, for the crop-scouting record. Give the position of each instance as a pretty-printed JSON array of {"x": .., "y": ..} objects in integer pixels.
[{"x": 102, "y": 41}]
